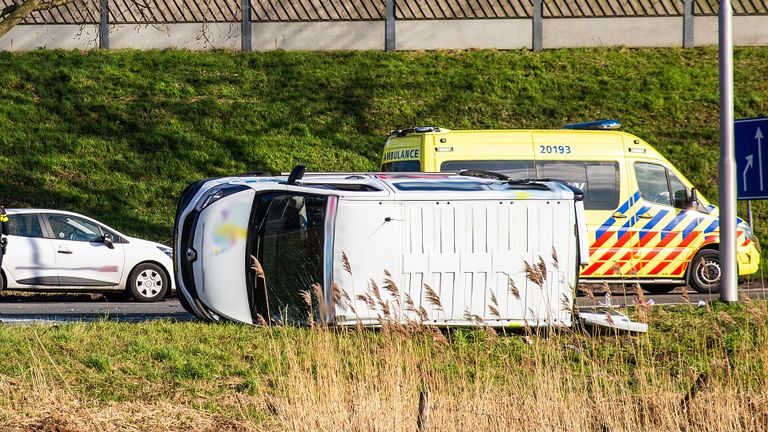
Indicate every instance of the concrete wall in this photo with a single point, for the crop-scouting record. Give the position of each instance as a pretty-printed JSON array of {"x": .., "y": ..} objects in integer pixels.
[
  {"x": 53, "y": 36},
  {"x": 318, "y": 36},
  {"x": 458, "y": 34},
  {"x": 410, "y": 35},
  {"x": 631, "y": 32},
  {"x": 190, "y": 36},
  {"x": 747, "y": 30}
]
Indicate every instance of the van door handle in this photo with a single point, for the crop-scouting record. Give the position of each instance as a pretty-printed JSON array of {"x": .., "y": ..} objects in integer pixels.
[
  {"x": 64, "y": 251},
  {"x": 619, "y": 215},
  {"x": 646, "y": 216}
]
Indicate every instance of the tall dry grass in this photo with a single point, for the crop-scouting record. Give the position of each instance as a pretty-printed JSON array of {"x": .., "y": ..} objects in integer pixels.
[
  {"x": 699, "y": 369},
  {"x": 354, "y": 380}
]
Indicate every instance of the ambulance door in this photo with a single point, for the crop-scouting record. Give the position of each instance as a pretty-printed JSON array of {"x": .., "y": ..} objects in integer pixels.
[{"x": 666, "y": 228}]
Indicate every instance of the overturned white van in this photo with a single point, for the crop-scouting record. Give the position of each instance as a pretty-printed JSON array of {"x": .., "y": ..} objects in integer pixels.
[{"x": 438, "y": 249}]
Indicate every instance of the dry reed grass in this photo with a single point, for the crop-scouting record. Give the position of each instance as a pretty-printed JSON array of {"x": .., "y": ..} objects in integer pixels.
[
  {"x": 351, "y": 380},
  {"x": 354, "y": 379}
]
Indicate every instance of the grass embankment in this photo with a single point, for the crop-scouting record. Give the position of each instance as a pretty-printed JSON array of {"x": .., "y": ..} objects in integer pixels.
[
  {"x": 118, "y": 134},
  {"x": 698, "y": 369}
]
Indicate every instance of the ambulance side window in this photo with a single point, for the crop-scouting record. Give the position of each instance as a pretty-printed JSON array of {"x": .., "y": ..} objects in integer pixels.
[
  {"x": 515, "y": 169},
  {"x": 598, "y": 180},
  {"x": 652, "y": 182}
]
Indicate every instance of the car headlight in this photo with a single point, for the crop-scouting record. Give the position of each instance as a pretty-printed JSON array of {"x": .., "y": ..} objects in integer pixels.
[
  {"x": 166, "y": 250},
  {"x": 218, "y": 193}
]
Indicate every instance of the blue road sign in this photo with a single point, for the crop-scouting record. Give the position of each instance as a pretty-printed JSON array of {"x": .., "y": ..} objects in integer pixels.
[{"x": 751, "y": 158}]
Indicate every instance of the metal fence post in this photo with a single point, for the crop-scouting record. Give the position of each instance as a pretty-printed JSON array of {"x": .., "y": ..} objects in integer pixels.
[
  {"x": 104, "y": 25},
  {"x": 727, "y": 166},
  {"x": 688, "y": 24},
  {"x": 538, "y": 30},
  {"x": 246, "y": 27},
  {"x": 389, "y": 27}
]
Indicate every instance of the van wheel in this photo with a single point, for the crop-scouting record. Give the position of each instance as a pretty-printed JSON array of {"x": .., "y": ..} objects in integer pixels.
[
  {"x": 659, "y": 288},
  {"x": 147, "y": 283},
  {"x": 706, "y": 273}
]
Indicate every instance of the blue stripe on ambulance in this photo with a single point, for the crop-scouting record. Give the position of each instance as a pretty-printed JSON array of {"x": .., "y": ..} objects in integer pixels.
[
  {"x": 667, "y": 230},
  {"x": 713, "y": 226},
  {"x": 622, "y": 209},
  {"x": 691, "y": 226},
  {"x": 652, "y": 223}
]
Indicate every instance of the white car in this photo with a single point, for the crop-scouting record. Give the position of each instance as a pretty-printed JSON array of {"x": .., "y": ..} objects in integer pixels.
[{"x": 52, "y": 250}]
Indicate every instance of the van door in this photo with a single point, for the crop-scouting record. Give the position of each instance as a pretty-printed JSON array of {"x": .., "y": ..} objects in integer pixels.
[{"x": 666, "y": 228}]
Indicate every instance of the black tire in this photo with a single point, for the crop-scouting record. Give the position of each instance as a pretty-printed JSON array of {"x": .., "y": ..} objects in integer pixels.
[
  {"x": 657, "y": 289},
  {"x": 2, "y": 282},
  {"x": 147, "y": 283},
  {"x": 705, "y": 274}
]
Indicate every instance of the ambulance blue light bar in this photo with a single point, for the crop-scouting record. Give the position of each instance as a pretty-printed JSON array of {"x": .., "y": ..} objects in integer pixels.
[{"x": 608, "y": 124}]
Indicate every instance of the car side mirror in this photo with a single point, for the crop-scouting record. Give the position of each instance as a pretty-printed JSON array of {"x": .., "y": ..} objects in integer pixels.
[{"x": 107, "y": 240}]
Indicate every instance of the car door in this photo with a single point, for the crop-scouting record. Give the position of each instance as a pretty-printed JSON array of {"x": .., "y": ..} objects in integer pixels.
[
  {"x": 82, "y": 258},
  {"x": 29, "y": 258}
]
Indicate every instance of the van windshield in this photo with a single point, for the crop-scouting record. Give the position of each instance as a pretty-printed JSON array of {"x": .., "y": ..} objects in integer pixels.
[{"x": 287, "y": 237}]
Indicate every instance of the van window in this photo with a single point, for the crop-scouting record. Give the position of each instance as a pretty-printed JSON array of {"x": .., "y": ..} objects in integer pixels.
[
  {"x": 515, "y": 169},
  {"x": 652, "y": 182},
  {"x": 290, "y": 233},
  {"x": 402, "y": 166},
  {"x": 680, "y": 195},
  {"x": 658, "y": 185},
  {"x": 598, "y": 180}
]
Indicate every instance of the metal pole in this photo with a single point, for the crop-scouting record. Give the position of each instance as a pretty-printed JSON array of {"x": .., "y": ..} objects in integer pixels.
[
  {"x": 104, "y": 25},
  {"x": 538, "y": 30},
  {"x": 246, "y": 27},
  {"x": 688, "y": 24},
  {"x": 727, "y": 166},
  {"x": 389, "y": 27},
  {"x": 749, "y": 212}
]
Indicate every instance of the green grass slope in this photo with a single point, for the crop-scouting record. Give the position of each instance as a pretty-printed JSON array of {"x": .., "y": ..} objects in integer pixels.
[{"x": 118, "y": 134}]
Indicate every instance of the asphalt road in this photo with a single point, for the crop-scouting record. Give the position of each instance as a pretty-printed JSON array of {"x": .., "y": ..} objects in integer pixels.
[{"x": 20, "y": 308}]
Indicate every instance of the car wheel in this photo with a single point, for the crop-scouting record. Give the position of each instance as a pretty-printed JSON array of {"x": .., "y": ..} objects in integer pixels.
[
  {"x": 656, "y": 289},
  {"x": 2, "y": 282},
  {"x": 147, "y": 283},
  {"x": 706, "y": 273}
]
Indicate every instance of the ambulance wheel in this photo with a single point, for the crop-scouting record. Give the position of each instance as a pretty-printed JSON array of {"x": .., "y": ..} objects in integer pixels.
[
  {"x": 659, "y": 288},
  {"x": 706, "y": 273},
  {"x": 147, "y": 283}
]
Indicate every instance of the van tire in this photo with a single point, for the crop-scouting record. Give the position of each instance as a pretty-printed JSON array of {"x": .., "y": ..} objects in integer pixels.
[
  {"x": 656, "y": 289},
  {"x": 706, "y": 273},
  {"x": 148, "y": 283}
]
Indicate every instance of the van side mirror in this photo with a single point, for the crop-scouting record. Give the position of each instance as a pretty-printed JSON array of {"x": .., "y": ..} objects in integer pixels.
[
  {"x": 693, "y": 202},
  {"x": 107, "y": 240}
]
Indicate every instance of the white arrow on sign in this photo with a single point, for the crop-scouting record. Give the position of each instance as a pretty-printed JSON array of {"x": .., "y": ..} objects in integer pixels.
[
  {"x": 744, "y": 174},
  {"x": 759, "y": 138}
]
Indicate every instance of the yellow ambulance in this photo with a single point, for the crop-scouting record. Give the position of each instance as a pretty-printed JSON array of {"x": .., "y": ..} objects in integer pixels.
[{"x": 647, "y": 223}]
